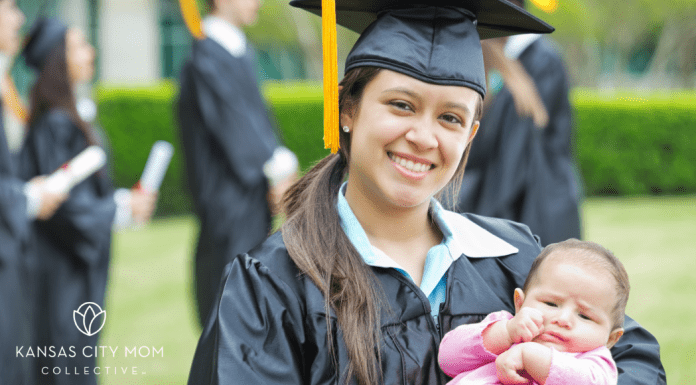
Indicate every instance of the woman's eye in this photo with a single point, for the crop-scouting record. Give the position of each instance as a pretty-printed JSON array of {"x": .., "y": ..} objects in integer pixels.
[
  {"x": 451, "y": 119},
  {"x": 401, "y": 105}
]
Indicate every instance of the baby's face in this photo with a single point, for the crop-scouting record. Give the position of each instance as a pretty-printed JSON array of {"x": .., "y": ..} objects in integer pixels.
[{"x": 576, "y": 303}]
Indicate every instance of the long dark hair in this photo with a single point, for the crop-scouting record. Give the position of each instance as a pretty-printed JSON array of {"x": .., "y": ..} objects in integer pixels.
[
  {"x": 53, "y": 89},
  {"x": 316, "y": 243}
]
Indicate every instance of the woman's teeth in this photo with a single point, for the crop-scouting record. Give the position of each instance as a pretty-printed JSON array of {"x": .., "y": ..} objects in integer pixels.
[{"x": 409, "y": 164}]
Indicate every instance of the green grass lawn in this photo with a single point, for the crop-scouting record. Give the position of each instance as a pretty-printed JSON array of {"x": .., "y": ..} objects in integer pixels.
[{"x": 149, "y": 300}]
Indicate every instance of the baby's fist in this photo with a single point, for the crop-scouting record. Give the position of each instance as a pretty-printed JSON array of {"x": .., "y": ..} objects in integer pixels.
[
  {"x": 509, "y": 365},
  {"x": 525, "y": 325}
]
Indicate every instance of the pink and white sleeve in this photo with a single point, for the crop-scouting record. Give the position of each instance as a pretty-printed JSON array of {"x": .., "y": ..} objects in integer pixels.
[
  {"x": 462, "y": 349},
  {"x": 595, "y": 367}
]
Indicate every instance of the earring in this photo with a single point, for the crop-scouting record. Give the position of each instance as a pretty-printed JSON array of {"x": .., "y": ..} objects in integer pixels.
[{"x": 346, "y": 129}]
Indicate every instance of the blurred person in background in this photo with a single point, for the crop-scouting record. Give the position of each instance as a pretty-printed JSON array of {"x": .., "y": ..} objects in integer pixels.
[
  {"x": 522, "y": 166},
  {"x": 236, "y": 170},
  {"x": 20, "y": 203},
  {"x": 73, "y": 247}
]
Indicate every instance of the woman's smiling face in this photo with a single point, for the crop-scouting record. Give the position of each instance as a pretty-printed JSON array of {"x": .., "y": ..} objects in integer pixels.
[{"x": 408, "y": 138}]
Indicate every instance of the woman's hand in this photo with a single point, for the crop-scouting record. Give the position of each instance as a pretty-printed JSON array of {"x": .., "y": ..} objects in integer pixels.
[
  {"x": 276, "y": 193},
  {"x": 143, "y": 205},
  {"x": 50, "y": 200},
  {"x": 525, "y": 325}
]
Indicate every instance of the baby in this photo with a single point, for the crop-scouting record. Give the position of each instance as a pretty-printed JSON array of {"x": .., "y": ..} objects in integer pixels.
[{"x": 568, "y": 315}]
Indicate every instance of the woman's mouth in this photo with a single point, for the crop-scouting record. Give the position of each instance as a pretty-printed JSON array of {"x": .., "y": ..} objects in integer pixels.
[{"x": 410, "y": 165}]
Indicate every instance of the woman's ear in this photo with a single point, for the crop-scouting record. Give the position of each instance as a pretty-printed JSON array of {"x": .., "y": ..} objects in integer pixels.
[
  {"x": 474, "y": 129},
  {"x": 346, "y": 120},
  {"x": 519, "y": 299},
  {"x": 614, "y": 337}
]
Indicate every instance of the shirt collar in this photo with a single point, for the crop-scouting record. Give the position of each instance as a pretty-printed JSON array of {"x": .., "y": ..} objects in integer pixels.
[
  {"x": 461, "y": 235},
  {"x": 227, "y": 35},
  {"x": 4, "y": 67},
  {"x": 357, "y": 236},
  {"x": 516, "y": 44}
]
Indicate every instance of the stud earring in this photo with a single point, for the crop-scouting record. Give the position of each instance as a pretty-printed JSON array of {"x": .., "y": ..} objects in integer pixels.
[{"x": 346, "y": 129}]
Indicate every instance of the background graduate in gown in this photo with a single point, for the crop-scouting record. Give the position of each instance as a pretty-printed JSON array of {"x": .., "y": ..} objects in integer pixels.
[
  {"x": 521, "y": 167},
  {"x": 20, "y": 203},
  {"x": 236, "y": 170},
  {"x": 73, "y": 247}
]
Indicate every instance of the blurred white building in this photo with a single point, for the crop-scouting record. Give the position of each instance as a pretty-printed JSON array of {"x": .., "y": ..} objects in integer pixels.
[{"x": 142, "y": 41}]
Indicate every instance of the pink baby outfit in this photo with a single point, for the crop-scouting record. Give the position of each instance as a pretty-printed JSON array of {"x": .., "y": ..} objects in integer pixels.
[{"x": 463, "y": 356}]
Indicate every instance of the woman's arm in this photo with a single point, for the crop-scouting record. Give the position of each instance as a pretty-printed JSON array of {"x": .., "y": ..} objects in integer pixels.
[
  {"x": 637, "y": 356},
  {"x": 255, "y": 334},
  {"x": 83, "y": 222}
]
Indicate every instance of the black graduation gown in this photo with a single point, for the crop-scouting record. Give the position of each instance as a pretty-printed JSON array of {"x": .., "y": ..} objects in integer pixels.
[
  {"x": 227, "y": 137},
  {"x": 14, "y": 236},
  {"x": 72, "y": 248},
  {"x": 518, "y": 172},
  {"x": 269, "y": 325}
]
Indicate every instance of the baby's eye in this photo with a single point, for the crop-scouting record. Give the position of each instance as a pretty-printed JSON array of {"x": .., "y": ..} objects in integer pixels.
[
  {"x": 550, "y": 304},
  {"x": 585, "y": 317}
]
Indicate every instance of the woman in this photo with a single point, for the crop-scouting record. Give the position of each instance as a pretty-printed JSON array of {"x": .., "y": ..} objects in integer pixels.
[
  {"x": 366, "y": 276},
  {"x": 73, "y": 247},
  {"x": 20, "y": 204}
]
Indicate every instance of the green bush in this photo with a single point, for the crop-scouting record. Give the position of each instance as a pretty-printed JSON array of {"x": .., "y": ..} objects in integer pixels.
[
  {"x": 298, "y": 108},
  {"x": 626, "y": 144},
  {"x": 134, "y": 119},
  {"x": 629, "y": 144}
]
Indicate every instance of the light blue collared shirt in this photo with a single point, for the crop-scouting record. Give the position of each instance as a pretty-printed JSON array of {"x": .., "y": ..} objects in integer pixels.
[
  {"x": 460, "y": 236},
  {"x": 437, "y": 262}
]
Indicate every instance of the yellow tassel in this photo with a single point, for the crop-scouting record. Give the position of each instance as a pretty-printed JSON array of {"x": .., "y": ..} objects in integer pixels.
[
  {"x": 192, "y": 17},
  {"x": 328, "y": 37},
  {"x": 10, "y": 98},
  {"x": 548, "y": 6}
]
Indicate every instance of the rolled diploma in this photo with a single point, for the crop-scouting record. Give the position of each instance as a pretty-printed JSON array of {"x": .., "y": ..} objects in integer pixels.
[
  {"x": 76, "y": 170},
  {"x": 156, "y": 165}
]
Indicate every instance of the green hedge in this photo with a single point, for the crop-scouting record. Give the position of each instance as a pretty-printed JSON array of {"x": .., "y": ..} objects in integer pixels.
[
  {"x": 299, "y": 112},
  {"x": 134, "y": 119},
  {"x": 626, "y": 144}
]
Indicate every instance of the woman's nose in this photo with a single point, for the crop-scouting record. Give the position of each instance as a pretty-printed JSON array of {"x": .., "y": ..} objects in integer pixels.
[{"x": 422, "y": 136}]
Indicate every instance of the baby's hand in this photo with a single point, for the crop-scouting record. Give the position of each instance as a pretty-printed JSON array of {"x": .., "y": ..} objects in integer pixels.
[
  {"x": 509, "y": 365},
  {"x": 525, "y": 325}
]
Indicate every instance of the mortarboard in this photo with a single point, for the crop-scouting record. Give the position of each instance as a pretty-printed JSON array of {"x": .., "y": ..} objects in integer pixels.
[
  {"x": 45, "y": 35},
  {"x": 437, "y": 43}
]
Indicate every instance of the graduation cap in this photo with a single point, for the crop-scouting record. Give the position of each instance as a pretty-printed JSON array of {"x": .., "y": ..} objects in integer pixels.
[
  {"x": 437, "y": 43},
  {"x": 45, "y": 35}
]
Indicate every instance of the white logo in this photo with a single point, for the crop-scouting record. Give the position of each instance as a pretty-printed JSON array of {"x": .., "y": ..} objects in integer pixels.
[{"x": 89, "y": 318}]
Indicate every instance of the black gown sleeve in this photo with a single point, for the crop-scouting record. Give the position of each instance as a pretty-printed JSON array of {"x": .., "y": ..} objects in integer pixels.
[
  {"x": 549, "y": 74},
  {"x": 222, "y": 103},
  {"x": 637, "y": 356},
  {"x": 14, "y": 223},
  {"x": 83, "y": 222},
  {"x": 255, "y": 333}
]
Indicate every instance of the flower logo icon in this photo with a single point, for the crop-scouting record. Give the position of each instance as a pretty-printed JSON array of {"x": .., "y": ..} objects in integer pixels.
[{"x": 89, "y": 318}]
